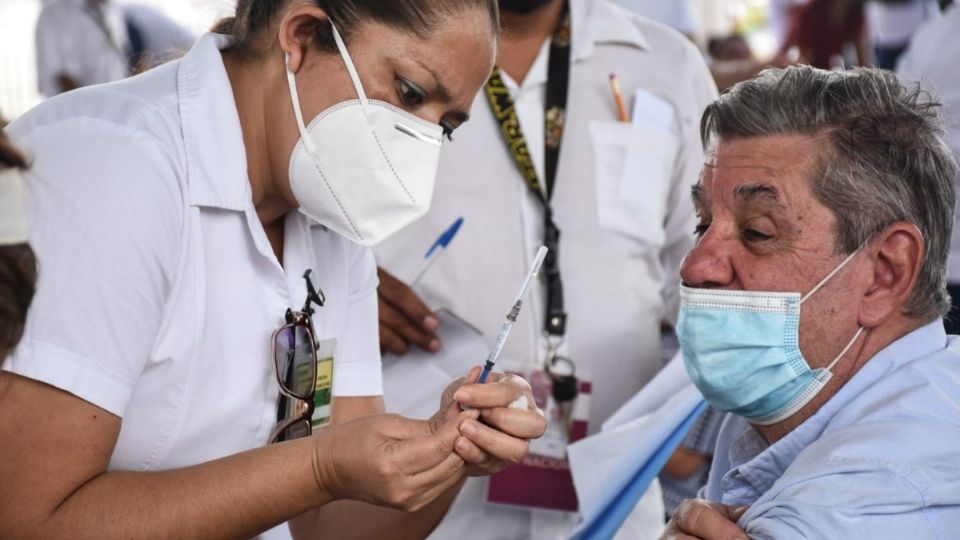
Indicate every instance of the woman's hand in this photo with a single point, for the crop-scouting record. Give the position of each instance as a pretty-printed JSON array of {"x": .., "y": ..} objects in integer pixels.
[
  {"x": 509, "y": 418},
  {"x": 389, "y": 460}
]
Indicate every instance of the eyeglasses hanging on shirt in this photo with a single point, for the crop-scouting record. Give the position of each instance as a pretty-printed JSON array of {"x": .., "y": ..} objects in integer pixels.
[
  {"x": 561, "y": 370},
  {"x": 304, "y": 369}
]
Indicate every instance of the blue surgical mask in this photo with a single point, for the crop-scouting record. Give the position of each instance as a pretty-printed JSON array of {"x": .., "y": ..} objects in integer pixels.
[{"x": 742, "y": 350}]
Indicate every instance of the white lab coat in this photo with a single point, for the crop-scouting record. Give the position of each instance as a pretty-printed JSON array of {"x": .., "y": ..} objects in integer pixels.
[{"x": 622, "y": 203}]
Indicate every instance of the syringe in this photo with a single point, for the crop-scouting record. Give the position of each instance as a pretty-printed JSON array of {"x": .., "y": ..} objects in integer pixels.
[{"x": 512, "y": 315}]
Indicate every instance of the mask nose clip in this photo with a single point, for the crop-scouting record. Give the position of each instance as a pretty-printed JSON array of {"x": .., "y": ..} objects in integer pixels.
[{"x": 407, "y": 130}]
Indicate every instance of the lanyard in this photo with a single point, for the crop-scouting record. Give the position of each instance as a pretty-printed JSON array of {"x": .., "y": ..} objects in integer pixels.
[{"x": 504, "y": 109}]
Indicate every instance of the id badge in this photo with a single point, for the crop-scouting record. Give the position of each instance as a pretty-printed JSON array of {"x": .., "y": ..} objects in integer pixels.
[
  {"x": 543, "y": 479},
  {"x": 323, "y": 396}
]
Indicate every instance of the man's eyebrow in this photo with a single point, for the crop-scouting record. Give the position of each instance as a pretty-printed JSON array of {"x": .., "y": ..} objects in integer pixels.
[
  {"x": 752, "y": 192},
  {"x": 442, "y": 91}
]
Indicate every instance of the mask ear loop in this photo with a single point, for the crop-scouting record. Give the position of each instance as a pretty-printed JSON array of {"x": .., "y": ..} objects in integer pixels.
[
  {"x": 845, "y": 349},
  {"x": 351, "y": 69},
  {"x": 830, "y": 275},
  {"x": 295, "y": 97}
]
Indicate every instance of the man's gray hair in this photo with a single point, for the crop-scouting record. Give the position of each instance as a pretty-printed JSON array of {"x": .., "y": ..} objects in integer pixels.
[{"x": 884, "y": 159}]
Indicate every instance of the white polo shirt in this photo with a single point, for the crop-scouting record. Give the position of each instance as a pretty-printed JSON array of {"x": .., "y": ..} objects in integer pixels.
[
  {"x": 621, "y": 201},
  {"x": 158, "y": 289},
  {"x": 70, "y": 41}
]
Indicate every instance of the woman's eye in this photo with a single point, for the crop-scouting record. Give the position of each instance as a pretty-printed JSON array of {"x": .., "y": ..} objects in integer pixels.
[
  {"x": 447, "y": 129},
  {"x": 411, "y": 95}
]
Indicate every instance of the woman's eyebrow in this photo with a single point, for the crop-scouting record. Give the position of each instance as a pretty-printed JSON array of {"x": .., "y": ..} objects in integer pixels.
[{"x": 442, "y": 91}]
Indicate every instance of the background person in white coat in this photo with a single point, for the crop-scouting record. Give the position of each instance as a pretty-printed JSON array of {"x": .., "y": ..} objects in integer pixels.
[
  {"x": 931, "y": 59},
  {"x": 163, "y": 210},
  {"x": 620, "y": 198},
  {"x": 79, "y": 43}
]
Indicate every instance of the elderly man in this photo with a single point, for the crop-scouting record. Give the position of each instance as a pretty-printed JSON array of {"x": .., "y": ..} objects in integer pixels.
[{"x": 835, "y": 192}]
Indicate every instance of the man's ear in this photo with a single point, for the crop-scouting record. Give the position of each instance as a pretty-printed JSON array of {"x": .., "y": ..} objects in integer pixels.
[
  {"x": 298, "y": 32},
  {"x": 896, "y": 255}
]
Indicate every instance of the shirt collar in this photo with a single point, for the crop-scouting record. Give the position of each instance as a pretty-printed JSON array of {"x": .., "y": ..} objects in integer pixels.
[
  {"x": 601, "y": 22},
  {"x": 593, "y": 22},
  {"x": 762, "y": 465},
  {"x": 213, "y": 140}
]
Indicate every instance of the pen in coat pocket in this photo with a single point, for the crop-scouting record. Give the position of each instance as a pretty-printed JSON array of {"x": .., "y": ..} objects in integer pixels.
[{"x": 618, "y": 98}]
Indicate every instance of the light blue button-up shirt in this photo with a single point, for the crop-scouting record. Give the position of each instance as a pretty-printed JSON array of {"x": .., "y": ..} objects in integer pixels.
[{"x": 881, "y": 459}]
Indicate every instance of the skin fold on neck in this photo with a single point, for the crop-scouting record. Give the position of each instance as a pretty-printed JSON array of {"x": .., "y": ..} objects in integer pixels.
[{"x": 247, "y": 80}]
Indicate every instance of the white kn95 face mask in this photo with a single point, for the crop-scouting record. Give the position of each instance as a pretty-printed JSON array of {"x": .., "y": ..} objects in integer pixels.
[{"x": 363, "y": 168}]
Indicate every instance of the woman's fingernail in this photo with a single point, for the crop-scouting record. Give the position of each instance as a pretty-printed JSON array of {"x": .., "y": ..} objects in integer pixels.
[
  {"x": 461, "y": 395},
  {"x": 468, "y": 428},
  {"x": 435, "y": 345},
  {"x": 431, "y": 323},
  {"x": 462, "y": 444}
]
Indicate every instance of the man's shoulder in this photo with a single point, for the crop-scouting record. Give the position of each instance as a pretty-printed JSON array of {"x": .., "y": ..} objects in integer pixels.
[{"x": 907, "y": 424}]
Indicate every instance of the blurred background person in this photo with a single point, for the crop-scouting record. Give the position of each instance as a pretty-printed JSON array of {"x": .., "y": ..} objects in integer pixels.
[
  {"x": 891, "y": 23},
  {"x": 932, "y": 58},
  {"x": 731, "y": 60},
  {"x": 18, "y": 268},
  {"x": 155, "y": 38},
  {"x": 79, "y": 43},
  {"x": 829, "y": 33}
]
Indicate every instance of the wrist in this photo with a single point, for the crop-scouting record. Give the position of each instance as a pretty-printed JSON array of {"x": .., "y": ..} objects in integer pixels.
[{"x": 322, "y": 464}]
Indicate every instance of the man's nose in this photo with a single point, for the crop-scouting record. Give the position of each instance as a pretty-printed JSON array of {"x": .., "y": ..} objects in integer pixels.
[{"x": 708, "y": 264}]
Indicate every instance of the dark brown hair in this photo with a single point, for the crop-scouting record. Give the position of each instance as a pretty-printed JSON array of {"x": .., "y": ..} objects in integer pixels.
[
  {"x": 415, "y": 16},
  {"x": 18, "y": 269}
]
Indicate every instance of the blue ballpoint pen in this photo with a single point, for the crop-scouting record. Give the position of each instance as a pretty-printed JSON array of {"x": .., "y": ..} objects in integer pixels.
[
  {"x": 512, "y": 315},
  {"x": 441, "y": 244}
]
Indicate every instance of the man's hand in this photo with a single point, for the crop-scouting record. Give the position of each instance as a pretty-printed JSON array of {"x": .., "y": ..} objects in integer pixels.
[
  {"x": 389, "y": 460},
  {"x": 509, "y": 418},
  {"x": 404, "y": 318},
  {"x": 704, "y": 520}
]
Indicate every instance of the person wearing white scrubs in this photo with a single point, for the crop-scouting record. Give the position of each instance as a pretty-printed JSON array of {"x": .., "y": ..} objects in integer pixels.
[
  {"x": 163, "y": 210},
  {"x": 79, "y": 43},
  {"x": 891, "y": 24}
]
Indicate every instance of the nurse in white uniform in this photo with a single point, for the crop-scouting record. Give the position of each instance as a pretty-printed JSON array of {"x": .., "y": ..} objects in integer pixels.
[{"x": 172, "y": 314}]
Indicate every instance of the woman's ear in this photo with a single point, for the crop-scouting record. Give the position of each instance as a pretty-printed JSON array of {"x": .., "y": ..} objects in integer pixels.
[
  {"x": 298, "y": 32},
  {"x": 897, "y": 255}
]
